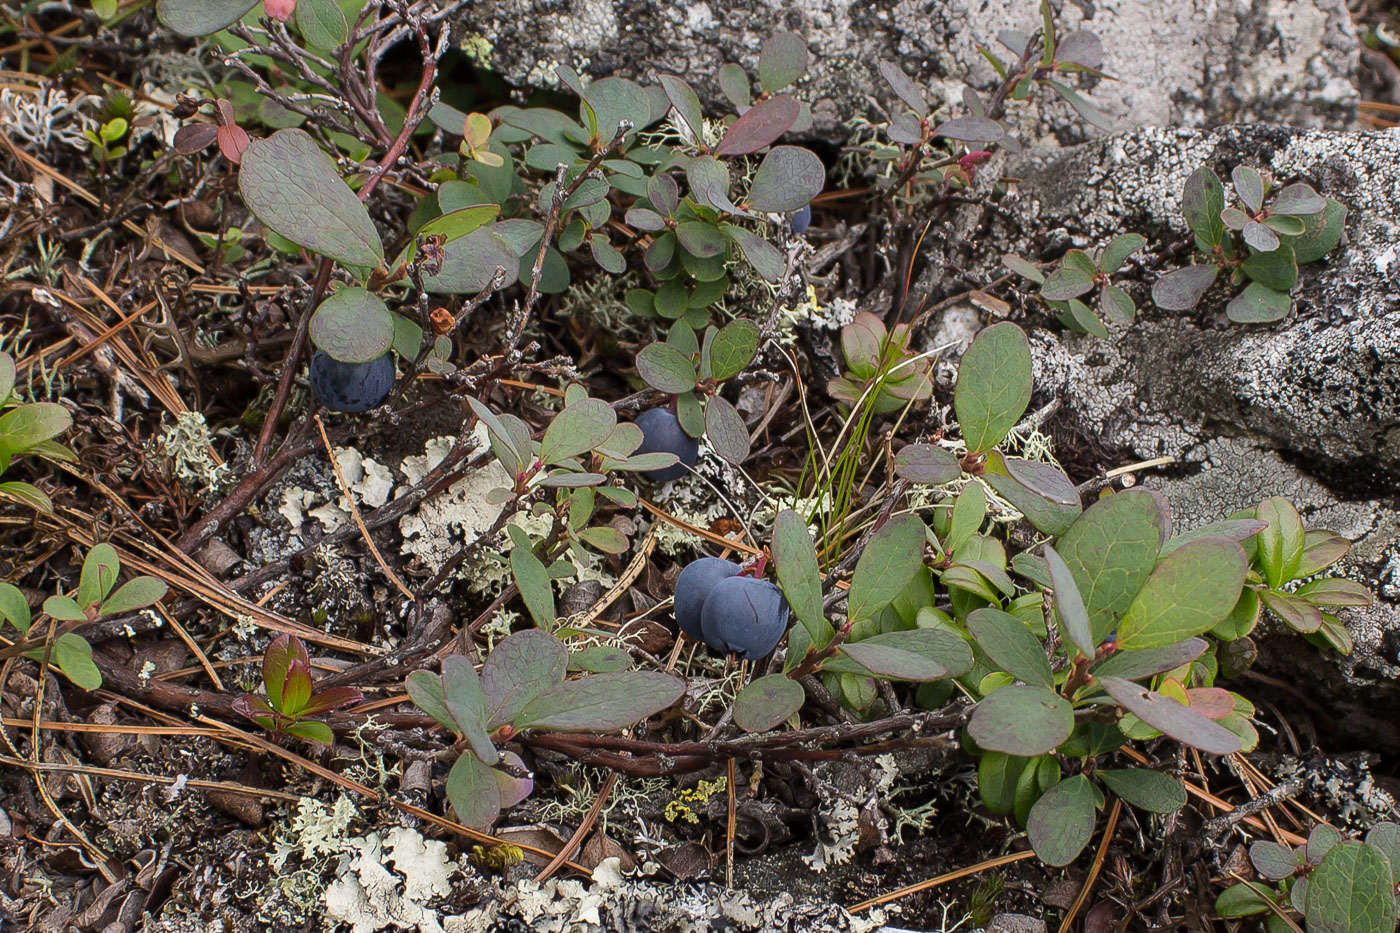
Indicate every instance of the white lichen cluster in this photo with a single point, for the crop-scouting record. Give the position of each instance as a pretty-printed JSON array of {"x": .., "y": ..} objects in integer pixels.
[
  {"x": 184, "y": 445},
  {"x": 1348, "y": 788},
  {"x": 301, "y": 853},
  {"x": 314, "y": 831},
  {"x": 833, "y": 315}
]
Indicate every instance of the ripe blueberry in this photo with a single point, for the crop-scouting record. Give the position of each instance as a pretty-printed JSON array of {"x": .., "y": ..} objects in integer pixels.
[
  {"x": 801, "y": 219},
  {"x": 662, "y": 433},
  {"x": 351, "y": 387},
  {"x": 693, "y": 586},
  {"x": 744, "y": 616}
]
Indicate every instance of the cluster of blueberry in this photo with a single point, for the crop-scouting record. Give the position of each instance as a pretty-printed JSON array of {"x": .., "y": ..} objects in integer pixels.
[{"x": 732, "y": 613}]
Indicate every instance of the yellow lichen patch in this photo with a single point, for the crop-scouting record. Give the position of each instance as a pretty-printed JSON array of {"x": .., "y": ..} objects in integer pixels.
[{"x": 680, "y": 808}]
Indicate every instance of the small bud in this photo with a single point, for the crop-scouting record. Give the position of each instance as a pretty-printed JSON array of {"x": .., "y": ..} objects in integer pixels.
[{"x": 185, "y": 107}]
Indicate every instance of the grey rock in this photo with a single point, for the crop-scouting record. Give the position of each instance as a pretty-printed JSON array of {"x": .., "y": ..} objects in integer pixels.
[
  {"x": 1307, "y": 408},
  {"x": 1016, "y": 923},
  {"x": 1178, "y": 63}
]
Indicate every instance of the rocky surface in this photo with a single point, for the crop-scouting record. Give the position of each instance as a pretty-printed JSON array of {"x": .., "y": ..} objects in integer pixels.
[
  {"x": 1178, "y": 63},
  {"x": 1307, "y": 408}
]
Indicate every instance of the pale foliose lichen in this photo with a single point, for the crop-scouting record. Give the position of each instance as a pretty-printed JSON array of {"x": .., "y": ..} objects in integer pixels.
[
  {"x": 385, "y": 881},
  {"x": 459, "y": 514}
]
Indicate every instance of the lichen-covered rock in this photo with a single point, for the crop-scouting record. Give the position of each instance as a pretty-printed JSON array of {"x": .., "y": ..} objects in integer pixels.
[
  {"x": 1178, "y": 63},
  {"x": 1307, "y": 408}
]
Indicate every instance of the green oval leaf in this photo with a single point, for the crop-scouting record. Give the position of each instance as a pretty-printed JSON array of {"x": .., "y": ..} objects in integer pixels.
[
  {"x": 294, "y": 189},
  {"x": 29, "y": 425},
  {"x": 926, "y": 463},
  {"x": 1039, "y": 491},
  {"x": 1145, "y": 789},
  {"x": 994, "y": 385},
  {"x": 1351, "y": 892},
  {"x": 1069, "y": 605},
  {"x": 322, "y": 24},
  {"x": 470, "y": 262},
  {"x": 1022, "y": 719},
  {"x": 971, "y": 129},
  {"x": 474, "y": 792},
  {"x": 201, "y": 17},
  {"x": 1240, "y": 900},
  {"x": 1119, "y": 249},
  {"x": 425, "y": 690},
  {"x": 7, "y": 376},
  {"x": 904, "y": 88},
  {"x": 1181, "y": 289},
  {"x": 708, "y": 178},
  {"x": 601, "y": 702},
  {"x": 767, "y": 703},
  {"x": 788, "y": 178},
  {"x": 1273, "y": 861},
  {"x": 725, "y": 429},
  {"x": 518, "y": 669},
  {"x": 99, "y": 575},
  {"x": 1110, "y": 551},
  {"x": 795, "y": 559},
  {"x": 782, "y": 59},
  {"x": 1281, "y": 541},
  {"x": 766, "y": 259},
  {"x": 531, "y": 578},
  {"x": 15, "y": 608},
  {"x": 1189, "y": 592},
  {"x": 353, "y": 326},
  {"x": 735, "y": 345},
  {"x": 580, "y": 427},
  {"x": 1386, "y": 838},
  {"x": 687, "y": 105},
  {"x": 1321, "y": 233},
  {"x": 1201, "y": 202},
  {"x": 1134, "y": 665},
  {"x": 73, "y": 655},
  {"x": 666, "y": 369},
  {"x": 465, "y": 700},
  {"x": 135, "y": 594},
  {"x": 916, "y": 655},
  {"x": 891, "y": 559},
  {"x": 1062, "y": 820},
  {"x": 1011, "y": 646}
]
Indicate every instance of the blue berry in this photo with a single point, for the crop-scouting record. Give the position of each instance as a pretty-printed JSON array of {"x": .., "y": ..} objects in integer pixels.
[
  {"x": 662, "y": 433},
  {"x": 351, "y": 387},
  {"x": 801, "y": 219},
  {"x": 745, "y": 617},
  {"x": 693, "y": 586}
]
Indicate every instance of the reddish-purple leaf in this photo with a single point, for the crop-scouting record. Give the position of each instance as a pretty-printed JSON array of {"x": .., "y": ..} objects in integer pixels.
[
  {"x": 760, "y": 126},
  {"x": 232, "y": 143},
  {"x": 1211, "y": 702},
  {"x": 1180, "y": 289},
  {"x": 194, "y": 137},
  {"x": 332, "y": 698}
]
